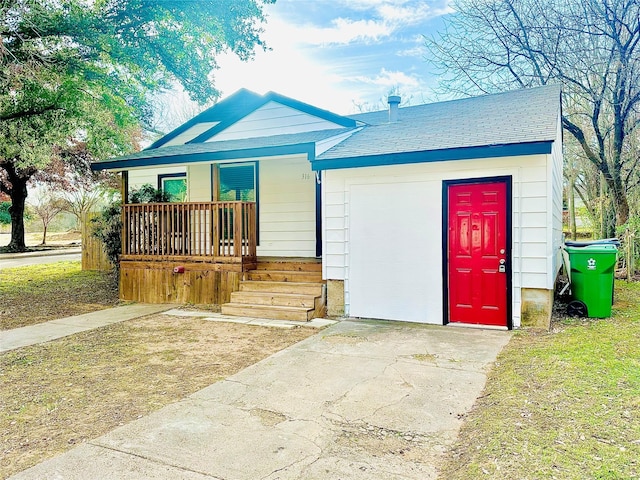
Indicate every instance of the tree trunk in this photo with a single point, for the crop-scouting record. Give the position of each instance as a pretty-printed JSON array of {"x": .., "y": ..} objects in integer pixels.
[
  {"x": 18, "y": 179},
  {"x": 622, "y": 207},
  {"x": 44, "y": 235},
  {"x": 16, "y": 210},
  {"x": 572, "y": 206}
]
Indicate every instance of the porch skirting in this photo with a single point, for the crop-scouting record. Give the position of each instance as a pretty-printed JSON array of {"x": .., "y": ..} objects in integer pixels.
[{"x": 179, "y": 282}]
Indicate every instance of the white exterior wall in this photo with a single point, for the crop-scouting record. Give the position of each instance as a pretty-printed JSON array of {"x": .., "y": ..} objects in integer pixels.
[
  {"x": 141, "y": 176},
  {"x": 287, "y": 204},
  {"x": 191, "y": 133},
  {"x": 273, "y": 119},
  {"x": 199, "y": 182},
  {"x": 198, "y": 179},
  {"x": 531, "y": 221},
  {"x": 555, "y": 166}
]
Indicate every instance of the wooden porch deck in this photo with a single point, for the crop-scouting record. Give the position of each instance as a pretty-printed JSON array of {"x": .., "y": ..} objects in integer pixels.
[{"x": 195, "y": 253}]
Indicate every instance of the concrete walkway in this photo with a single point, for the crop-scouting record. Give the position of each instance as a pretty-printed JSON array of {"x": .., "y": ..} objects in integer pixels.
[
  {"x": 47, "y": 331},
  {"x": 359, "y": 400}
]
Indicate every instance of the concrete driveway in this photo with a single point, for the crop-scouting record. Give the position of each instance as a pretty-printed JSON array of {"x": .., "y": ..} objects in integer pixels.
[{"x": 359, "y": 400}]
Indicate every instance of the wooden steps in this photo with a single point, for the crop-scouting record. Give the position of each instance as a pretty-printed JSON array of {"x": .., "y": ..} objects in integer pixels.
[
  {"x": 284, "y": 276},
  {"x": 280, "y": 289},
  {"x": 299, "y": 314},
  {"x": 272, "y": 298}
]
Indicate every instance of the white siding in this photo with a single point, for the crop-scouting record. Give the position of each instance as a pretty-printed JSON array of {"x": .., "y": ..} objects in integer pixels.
[
  {"x": 529, "y": 218},
  {"x": 139, "y": 177},
  {"x": 273, "y": 119},
  {"x": 556, "y": 165},
  {"x": 199, "y": 182},
  {"x": 190, "y": 133},
  {"x": 287, "y": 208}
]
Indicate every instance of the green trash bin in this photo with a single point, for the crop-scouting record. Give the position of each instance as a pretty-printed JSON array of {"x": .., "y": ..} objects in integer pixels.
[{"x": 592, "y": 272}]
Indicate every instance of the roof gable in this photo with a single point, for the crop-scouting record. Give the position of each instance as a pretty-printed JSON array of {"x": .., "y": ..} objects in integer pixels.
[
  {"x": 236, "y": 116},
  {"x": 231, "y": 108},
  {"x": 272, "y": 118}
]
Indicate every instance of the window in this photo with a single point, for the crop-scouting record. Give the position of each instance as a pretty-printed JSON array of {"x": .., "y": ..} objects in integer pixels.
[
  {"x": 237, "y": 182},
  {"x": 175, "y": 184}
]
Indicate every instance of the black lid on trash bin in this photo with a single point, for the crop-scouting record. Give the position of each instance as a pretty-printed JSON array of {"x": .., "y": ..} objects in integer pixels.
[{"x": 604, "y": 241}]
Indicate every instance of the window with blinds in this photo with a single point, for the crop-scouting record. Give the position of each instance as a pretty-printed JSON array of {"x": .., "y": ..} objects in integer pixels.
[{"x": 237, "y": 182}]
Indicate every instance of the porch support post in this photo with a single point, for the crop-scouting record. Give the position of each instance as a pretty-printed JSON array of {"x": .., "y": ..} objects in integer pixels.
[
  {"x": 124, "y": 186},
  {"x": 237, "y": 229}
]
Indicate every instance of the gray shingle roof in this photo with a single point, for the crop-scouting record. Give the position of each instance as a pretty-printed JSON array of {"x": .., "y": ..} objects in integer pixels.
[
  {"x": 519, "y": 116},
  {"x": 510, "y": 118},
  {"x": 231, "y": 145}
]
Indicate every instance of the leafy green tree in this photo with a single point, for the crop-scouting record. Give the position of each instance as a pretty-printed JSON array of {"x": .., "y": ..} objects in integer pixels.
[
  {"x": 85, "y": 70},
  {"x": 5, "y": 217},
  {"x": 591, "y": 47}
]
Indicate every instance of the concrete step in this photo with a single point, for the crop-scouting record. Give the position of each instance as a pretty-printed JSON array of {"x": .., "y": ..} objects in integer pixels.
[
  {"x": 289, "y": 266},
  {"x": 300, "y": 314},
  {"x": 277, "y": 299},
  {"x": 300, "y": 288},
  {"x": 284, "y": 276}
]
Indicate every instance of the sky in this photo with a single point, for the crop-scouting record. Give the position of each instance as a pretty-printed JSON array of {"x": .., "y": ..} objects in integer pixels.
[{"x": 341, "y": 55}]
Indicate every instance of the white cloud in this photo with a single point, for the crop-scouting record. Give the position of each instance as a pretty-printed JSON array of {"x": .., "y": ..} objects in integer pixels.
[
  {"x": 409, "y": 14},
  {"x": 389, "y": 79},
  {"x": 417, "y": 51},
  {"x": 341, "y": 31},
  {"x": 344, "y": 31},
  {"x": 286, "y": 69},
  {"x": 401, "y": 12},
  {"x": 377, "y": 20},
  {"x": 317, "y": 64}
]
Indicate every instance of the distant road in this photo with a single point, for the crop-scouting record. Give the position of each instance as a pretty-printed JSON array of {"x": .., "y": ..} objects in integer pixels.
[{"x": 29, "y": 260}]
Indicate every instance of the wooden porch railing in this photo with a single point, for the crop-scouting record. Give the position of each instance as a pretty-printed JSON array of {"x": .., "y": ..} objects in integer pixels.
[{"x": 221, "y": 231}]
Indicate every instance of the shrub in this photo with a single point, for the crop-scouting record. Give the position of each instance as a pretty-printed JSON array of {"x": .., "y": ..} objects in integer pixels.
[{"x": 108, "y": 225}]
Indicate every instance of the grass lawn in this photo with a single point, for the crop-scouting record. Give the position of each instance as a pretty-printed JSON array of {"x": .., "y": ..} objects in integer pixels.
[
  {"x": 560, "y": 405},
  {"x": 38, "y": 293}
]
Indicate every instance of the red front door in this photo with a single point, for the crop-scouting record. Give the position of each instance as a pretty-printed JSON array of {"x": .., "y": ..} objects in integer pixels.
[{"x": 477, "y": 253}]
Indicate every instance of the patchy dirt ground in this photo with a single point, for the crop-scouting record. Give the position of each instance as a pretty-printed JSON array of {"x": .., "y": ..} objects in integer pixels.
[{"x": 68, "y": 391}]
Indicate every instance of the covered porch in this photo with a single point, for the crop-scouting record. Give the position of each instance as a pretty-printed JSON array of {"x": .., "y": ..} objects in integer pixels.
[
  {"x": 205, "y": 253},
  {"x": 188, "y": 252}
]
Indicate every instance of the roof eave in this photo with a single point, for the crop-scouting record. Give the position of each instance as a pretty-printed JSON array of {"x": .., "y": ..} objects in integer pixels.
[
  {"x": 181, "y": 159},
  {"x": 442, "y": 155}
]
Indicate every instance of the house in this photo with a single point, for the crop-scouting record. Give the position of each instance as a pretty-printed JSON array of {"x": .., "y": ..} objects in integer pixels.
[{"x": 440, "y": 213}]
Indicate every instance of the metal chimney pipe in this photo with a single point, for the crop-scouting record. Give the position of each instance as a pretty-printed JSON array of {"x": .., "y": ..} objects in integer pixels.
[{"x": 394, "y": 102}]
